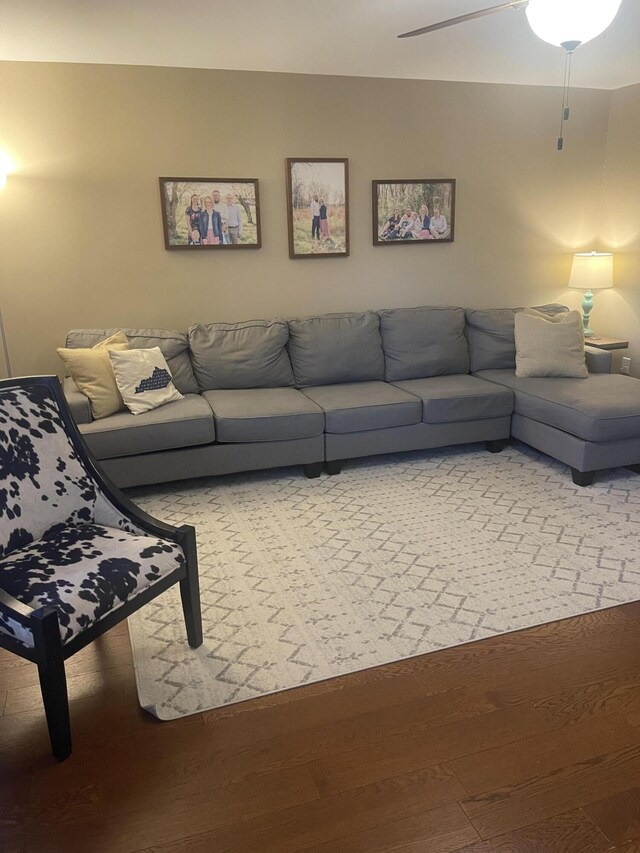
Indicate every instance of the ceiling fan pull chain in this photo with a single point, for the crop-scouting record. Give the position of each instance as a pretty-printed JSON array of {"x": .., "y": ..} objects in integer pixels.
[{"x": 564, "y": 113}]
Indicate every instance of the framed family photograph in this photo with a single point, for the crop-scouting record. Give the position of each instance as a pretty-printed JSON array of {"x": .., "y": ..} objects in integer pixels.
[
  {"x": 412, "y": 212},
  {"x": 210, "y": 213},
  {"x": 318, "y": 207}
]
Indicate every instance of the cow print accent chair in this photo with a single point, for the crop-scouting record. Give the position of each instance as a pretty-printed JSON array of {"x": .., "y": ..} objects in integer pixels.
[{"x": 76, "y": 555}]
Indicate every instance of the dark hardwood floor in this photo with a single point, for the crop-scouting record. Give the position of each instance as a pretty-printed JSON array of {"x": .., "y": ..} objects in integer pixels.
[{"x": 525, "y": 742}]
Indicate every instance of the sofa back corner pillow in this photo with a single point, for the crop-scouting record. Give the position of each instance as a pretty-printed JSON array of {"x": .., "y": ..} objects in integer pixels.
[
  {"x": 550, "y": 346},
  {"x": 144, "y": 379},
  {"x": 422, "y": 342},
  {"x": 173, "y": 344},
  {"x": 251, "y": 354},
  {"x": 490, "y": 333},
  {"x": 91, "y": 370},
  {"x": 336, "y": 348}
]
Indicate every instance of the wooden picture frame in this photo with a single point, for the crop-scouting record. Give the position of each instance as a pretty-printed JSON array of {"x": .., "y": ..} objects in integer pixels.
[
  {"x": 399, "y": 216},
  {"x": 238, "y": 202},
  {"x": 317, "y": 184}
]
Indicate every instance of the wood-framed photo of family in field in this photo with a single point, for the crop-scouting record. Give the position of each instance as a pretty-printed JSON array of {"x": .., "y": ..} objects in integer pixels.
[
  {"x": 208, "y": 213},
  {"x": 318, "y": 207},
  {"x": 412, "y": 212}
]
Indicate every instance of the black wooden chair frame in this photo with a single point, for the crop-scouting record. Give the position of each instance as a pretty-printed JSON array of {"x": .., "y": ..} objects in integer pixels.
[{"x": 48, "y": 651}]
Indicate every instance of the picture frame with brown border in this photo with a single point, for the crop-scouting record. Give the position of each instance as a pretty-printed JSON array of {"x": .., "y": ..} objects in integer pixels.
[
  {"x": 177, "y": 195},
  {"x": 314, "y": 235},
  {"x": 390, "y": 197}
]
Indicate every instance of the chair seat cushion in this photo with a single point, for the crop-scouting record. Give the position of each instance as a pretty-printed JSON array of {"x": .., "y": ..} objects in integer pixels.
[
  {"x": 83, "y": 571},
  {"x": 358, "y": 406},
  {"x": 447, "y": 399},
  {"x": 264, "y": 414},
  {"x": 184, "y": 423},
  {"x": 602, "y": 407}
]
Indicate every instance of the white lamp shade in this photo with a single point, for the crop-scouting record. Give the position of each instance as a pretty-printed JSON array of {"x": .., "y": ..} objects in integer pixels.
[
  {"x": 558, "y": 21},
  {"x": 592, "y": 271}
]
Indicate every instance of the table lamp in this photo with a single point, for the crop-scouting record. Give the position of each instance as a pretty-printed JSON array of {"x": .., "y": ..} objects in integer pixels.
[{"x": 591, "y": 271}]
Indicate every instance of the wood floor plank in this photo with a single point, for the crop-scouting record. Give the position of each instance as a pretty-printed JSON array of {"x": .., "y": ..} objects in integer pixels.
[
  {"x": 440, "y": 830},
  {"x": 510, "y": 807},
  {"x": 325, "y": 820},
  {"x": 543, "y": 755},
  {"x": 618, "y": 816},
  {"x": 404, "y": 750},
  {"x": 132, "y": 827},
  {"x": 572, "y": 832}
]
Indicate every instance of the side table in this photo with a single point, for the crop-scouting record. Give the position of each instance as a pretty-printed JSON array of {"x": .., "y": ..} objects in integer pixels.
[{"x": 606, "y": 343}]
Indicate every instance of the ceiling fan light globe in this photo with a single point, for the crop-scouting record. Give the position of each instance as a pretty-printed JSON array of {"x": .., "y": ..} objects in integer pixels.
[{"x": 559, "y": 21}]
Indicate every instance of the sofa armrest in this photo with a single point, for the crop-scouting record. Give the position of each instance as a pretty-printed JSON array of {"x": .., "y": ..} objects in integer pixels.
[
  {"x": 78, "y": 402},
  {"x": 598, "y": 360}
]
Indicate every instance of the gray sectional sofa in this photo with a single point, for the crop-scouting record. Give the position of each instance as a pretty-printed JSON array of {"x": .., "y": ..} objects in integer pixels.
[{"x": 316, "y": 391}]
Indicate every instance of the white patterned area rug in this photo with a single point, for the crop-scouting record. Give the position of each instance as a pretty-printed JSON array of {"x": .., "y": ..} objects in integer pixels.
[{"x": 303, "y": 580}]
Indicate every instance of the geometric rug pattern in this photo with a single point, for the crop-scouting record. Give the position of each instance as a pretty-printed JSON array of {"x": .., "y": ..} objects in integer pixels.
[{"x": 400, "y": 555}]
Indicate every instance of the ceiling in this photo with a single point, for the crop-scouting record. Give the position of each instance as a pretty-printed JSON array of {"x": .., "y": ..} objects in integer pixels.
[{"x": 343, "y": 37}]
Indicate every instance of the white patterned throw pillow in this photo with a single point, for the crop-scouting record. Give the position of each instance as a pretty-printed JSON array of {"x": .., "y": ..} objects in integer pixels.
[{"x": 143, "y": 379}]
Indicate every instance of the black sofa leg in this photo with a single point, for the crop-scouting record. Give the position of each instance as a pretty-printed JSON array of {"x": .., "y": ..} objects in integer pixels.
[
  {"x": 53, "y": 680},
  {"x": 583, "y": 478},
  {"x": 634, "y": 468},
  {"x": 313, "y": 470},
  {"x": 333, "y": 467},
  {"x": 496, "y": 445},
  {"x": 190, "y": 592}
]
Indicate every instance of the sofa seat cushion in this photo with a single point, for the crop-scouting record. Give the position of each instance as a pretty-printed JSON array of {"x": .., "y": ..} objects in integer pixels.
[
  {"x": 446, "y": 399},
  {"x": 264, "y": 414},
  {"x": 602, "y": 407},
  {"x": 83, "y": 571},
  {"x": 185, "y": 423},
  {"x": 358, "y": 406}
]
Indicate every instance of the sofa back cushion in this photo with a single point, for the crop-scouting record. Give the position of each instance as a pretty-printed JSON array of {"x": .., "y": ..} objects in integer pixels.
[
  {"x": 420, "y": 342},
  {"x": 490, "y": 333},
  {"x": 252, "y": 354},
  {"x": 174, "y": 346},
  {"x": 336, "y": 348}
]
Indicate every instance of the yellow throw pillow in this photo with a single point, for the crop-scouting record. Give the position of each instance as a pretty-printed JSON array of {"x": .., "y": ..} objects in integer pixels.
[{"x": 91, "y": 370}]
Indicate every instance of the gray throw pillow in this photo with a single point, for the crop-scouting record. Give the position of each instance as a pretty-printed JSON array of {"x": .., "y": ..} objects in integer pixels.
[
  {"x": 336, "y": 348},
  {"x": 490, "y": 333},
  {"x": 419, "y": 342},
  {"x": 241, "y": 355}
]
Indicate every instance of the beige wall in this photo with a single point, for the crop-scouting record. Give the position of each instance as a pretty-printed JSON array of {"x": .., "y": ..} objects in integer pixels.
[
  {"x": 80, "y": 225},
  {"x": 617, "y": 312}
]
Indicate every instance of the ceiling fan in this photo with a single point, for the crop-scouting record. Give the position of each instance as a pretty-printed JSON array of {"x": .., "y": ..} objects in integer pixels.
[{"x": 562, "y": 23}]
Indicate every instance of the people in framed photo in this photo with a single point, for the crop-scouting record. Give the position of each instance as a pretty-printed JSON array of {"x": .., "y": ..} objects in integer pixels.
[
  {"x": 221, "y": 213},
  {"x": 318, "y": 207},
  {"x": 414, "y": 211}
]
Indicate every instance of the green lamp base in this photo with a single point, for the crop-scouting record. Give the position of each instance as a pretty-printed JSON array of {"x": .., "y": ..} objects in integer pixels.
[{"x": 587, "y": 305}]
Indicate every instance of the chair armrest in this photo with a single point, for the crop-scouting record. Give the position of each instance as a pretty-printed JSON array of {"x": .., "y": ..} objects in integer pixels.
[
  {"x": 78, "y": 402},
  {"x": 598, "y": 360},
  {"x": 18, "y": 610}
]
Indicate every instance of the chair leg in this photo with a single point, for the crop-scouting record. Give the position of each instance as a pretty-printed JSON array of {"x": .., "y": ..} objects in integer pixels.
[
  {"x": 583, "y": 478},
  {"x": 496, "y": 445},
  {"x": 190, "y": 593},
  {"x": 53, "y": 681}
]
